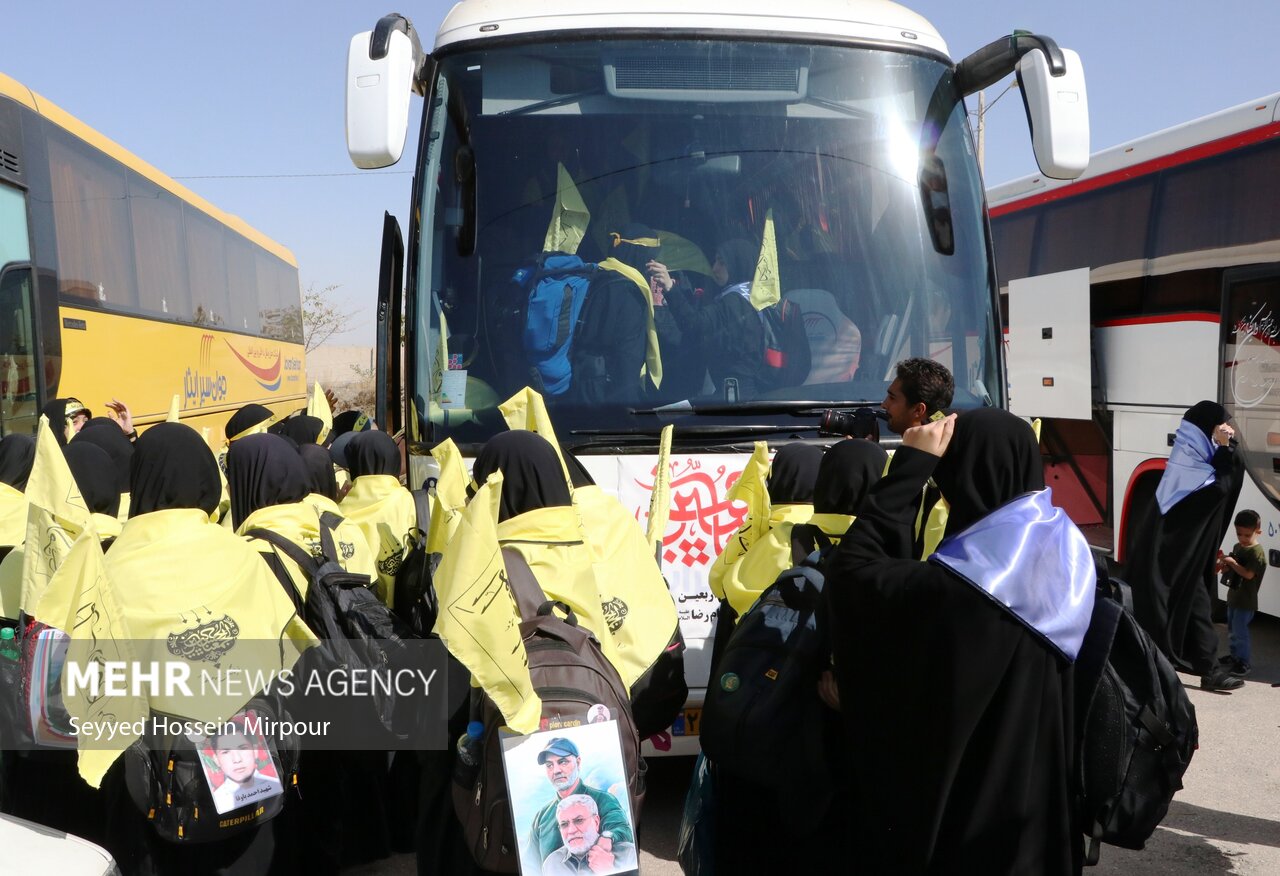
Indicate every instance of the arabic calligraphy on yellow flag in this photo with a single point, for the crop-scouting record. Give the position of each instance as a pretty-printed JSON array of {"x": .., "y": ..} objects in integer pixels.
[
  {"x": 660, "y": 501},
  {"x": 751, "y": 488},
  {"x": 527, "y": 411},
  {"x": 450, "y": 498},
  {"x": 766, "y": 289},
  {"x": 318, "y": 407},
  {"x": 478, "y": 620},
  {"x": 57, "y": 514},
  {"x": 98, "y": 637},
  {"x": 569, "y": 217}
]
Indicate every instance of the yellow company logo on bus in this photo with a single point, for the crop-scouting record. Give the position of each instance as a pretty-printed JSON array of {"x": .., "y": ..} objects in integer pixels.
[
  {"x": 204, "y": 383},
  {"x": 268, "y": 374}
]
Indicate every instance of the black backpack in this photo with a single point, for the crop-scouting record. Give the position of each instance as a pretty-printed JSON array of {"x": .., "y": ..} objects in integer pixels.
[
  {"x": 787, "y": 358},
  {"x": 763, "y": 699},
  {"x": 1135, "y": 727},
  {"x": 570, "y": 674},
  {"x": 659, "y": 695},
  {"x": 165, "y": 776},
  {"x": 357, "y": 627},
  {"x": 415, "y": 600}
]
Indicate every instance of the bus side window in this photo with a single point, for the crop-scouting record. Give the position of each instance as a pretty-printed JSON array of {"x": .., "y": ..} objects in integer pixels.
[{"x": 17, "y": 353}]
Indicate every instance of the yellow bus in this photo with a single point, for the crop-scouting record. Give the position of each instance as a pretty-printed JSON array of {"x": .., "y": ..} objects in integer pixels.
[{"x": 118, "y": 282}]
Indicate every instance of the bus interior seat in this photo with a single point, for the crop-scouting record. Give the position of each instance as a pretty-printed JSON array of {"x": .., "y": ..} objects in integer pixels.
[{"x": 835, "y": 342}]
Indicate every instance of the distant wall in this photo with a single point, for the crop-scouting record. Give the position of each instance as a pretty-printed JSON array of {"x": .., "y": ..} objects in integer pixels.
[{"x": 347, "y": 370}]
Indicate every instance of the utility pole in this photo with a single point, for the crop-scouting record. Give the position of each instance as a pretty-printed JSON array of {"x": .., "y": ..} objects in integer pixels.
[{"x": 982, "y": 132}]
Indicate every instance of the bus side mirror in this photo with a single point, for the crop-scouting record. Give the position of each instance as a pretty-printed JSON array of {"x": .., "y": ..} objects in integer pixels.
[
  {"x": 382, "y": 67},
  {"x": 1058, "y": 112},
  {"x": 1052, "y": 84}
]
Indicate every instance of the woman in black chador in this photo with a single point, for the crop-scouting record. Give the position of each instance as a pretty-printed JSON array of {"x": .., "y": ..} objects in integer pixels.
[
  {"x": 1171, "y": 570},
  {"x": 961, "y": 756}
]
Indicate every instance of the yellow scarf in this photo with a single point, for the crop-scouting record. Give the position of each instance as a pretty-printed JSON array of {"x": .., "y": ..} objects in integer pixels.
[
  {"x": 11, "y": 583},
  {"x": 751, "y": 488},
  {"x": 550, "y": 541},
  {"x": 834, "y": 526},
  {"x": 935, "y": 528},
  {"x": 652, "y": 353},
  {"x": 107, "y": 527},
  {"x": 166, "y": 564},
  {"x": 177, "y": 587},
  {"x": 766, "y": 559},
  {"x": 13, "y": 516},
  {"x": 300, "y": 523},
  {"x": 637, "y": 605},
  {"x": 384, "y": 511}
]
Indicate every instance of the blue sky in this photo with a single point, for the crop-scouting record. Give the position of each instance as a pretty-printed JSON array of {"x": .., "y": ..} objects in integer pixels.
[{"x": 255, "y": 91}]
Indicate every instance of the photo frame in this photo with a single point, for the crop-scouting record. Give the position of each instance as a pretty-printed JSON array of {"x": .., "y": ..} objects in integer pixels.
[
  {"x": 569, "y": 798},
  {"x": 238, "y": 766}
]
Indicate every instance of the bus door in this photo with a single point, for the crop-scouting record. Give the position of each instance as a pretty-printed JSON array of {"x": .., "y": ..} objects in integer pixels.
[
  {"x": 1250, "y": 386},
  {"x": 18, "y": 408}
]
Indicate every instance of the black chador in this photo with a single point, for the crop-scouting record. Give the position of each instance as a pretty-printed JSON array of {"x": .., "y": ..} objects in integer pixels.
[{"x": 955, "y": 676}]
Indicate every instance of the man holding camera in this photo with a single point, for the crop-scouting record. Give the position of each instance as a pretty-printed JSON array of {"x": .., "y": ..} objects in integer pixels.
[{"x": 921, "y": 390}]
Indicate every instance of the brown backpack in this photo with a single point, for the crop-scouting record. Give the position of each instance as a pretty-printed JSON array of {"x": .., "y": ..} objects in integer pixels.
[{"x": 570, "y": 674}]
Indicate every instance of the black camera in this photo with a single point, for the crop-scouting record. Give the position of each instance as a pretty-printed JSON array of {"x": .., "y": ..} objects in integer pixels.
[{"x": 858, "y": 423}]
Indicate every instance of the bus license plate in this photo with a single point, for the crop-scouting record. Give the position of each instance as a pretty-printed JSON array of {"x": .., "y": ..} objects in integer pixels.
[{"x": 687, "y": 723}]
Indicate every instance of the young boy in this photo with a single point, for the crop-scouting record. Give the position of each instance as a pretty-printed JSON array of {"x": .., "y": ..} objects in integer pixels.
[{"x": 1242, "y": 573}]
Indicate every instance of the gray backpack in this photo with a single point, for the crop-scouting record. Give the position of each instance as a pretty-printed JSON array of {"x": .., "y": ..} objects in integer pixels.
[{"x": 570, "y": 674}]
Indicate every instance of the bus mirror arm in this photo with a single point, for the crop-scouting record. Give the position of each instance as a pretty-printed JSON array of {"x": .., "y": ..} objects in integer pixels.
[
  {"x": 998, "y": 59},
  {"x": 380, "y": 41}
]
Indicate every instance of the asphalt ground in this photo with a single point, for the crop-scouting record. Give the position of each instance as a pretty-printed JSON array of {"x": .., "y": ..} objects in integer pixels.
[{"x": 1225, "y": 820}]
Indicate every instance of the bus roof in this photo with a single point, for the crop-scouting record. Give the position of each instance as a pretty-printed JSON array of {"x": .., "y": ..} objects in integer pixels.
[
  {"x": 1227, "y": 129},
  {"x": 877, "y": 20},
  {"x": 15, "y": 90}
]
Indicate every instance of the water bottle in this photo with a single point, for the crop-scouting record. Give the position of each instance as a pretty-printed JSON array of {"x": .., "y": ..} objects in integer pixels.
[
  {"x": 469, "y": 744},
  {"x": 8, "y": 647}
]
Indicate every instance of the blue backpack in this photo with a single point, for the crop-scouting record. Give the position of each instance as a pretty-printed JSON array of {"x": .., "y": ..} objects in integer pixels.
[{"x": 556, "y": 288}]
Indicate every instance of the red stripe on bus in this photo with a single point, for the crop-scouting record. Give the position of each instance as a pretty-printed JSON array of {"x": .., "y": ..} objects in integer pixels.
[
  {"x": 1173, "y": 159},
  {"x": 1158, "y": 318},
  {"x": 1142, "y": 468}
]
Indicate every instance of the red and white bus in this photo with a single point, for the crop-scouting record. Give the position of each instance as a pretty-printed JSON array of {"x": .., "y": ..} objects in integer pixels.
[{"x": 1180, "y": 234}]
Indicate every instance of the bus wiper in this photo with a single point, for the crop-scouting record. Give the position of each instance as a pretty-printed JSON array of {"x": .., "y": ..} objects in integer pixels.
[
  {"x": 795, "y": 408},
  {"x": 552, "y": 103}
]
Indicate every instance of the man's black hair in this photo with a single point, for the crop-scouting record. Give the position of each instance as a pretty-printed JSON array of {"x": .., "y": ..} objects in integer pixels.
[
  {"x": 1251, "y": 519},
  {"x": 924, "y": 380}
]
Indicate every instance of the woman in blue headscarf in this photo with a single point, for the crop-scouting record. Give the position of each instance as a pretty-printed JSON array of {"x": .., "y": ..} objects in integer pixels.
[{"x": 1171, "y": 567}]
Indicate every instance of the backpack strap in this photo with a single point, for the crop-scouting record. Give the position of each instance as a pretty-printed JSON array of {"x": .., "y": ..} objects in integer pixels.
[
  {"x": 523, "y": 585},
  {"x": 304, "y": 560},
  {"x": 422, "y": 508},
  {"x": 1111, "y": 600},
  {"x": 328, "y": 525}
]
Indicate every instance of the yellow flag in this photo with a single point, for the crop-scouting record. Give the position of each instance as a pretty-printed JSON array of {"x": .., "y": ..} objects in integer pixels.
[
  {"x": 766, "y": 289},
  {"x": 751, "y": 488},
  {"x": 681, "y": 254},
  {"x": 318, "y": 406},
  {"x": 527, "y": 411},
  {"x": 450, "y": 497},
  {"x": 95, "y": 623},
  {"x": 478, "y": 620},
  {"x": 175, "y": 409},
  {"x": 56, "y": 515},
  {"x": 1035, "y": 427},
  {"x": 660, "y": 501},
  {"x": 569, "y": 217}
]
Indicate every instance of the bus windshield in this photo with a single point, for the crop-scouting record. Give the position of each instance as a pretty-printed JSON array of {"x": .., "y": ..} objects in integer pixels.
[{"x": 862, "y": 157}]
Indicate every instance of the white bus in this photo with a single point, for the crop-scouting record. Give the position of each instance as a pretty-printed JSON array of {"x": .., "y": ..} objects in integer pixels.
[
  {"x": 1180, "y": 237},
  {"x": 844, "y": 118}
]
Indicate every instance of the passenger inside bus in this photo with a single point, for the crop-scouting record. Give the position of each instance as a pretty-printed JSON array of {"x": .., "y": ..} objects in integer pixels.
[{"x": 723, "y": 324}]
